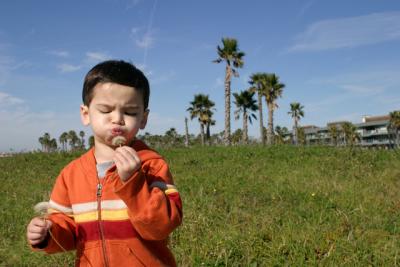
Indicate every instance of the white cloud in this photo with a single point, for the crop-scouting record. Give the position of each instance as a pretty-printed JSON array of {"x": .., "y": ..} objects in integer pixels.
[
  {"x": 97, "y": 56},
  {"x": 349, "y": 32},
  {"x": 7, "y": 100},
  {"x": 146, "y": 41},
  {"x": 134, "y": 31},
  {"x": 64, "y": 68}
]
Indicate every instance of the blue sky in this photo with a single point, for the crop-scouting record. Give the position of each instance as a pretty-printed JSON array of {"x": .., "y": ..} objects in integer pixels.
[{"x": 340, "y": 59}]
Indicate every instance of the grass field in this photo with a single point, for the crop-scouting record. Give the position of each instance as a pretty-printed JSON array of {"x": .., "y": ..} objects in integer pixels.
[{"x": 245, "y": 206}]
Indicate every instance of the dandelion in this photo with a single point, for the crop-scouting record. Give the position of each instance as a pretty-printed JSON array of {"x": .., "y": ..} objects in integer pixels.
[
  {"x": 118, "y": 140},
  {"x": 42, "y": 209},
  {"x": 313, "y": 194}
]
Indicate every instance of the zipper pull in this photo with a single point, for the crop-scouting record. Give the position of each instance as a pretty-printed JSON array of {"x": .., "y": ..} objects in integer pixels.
[{"x": 99, "y": 188}]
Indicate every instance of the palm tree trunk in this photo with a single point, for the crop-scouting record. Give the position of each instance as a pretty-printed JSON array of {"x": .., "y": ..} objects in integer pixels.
[
  {"x": 227, "y": 133},
  {"x": 245, "y": 136},
  {"x": 260, "y": 115},
  {"x": 208, "y": 133},
  {"x": 202, "y": 133},
  {"x": 186, "y": 133},
  {"x": 295, "y": 141},
  {"x": 270, "y": 139}
]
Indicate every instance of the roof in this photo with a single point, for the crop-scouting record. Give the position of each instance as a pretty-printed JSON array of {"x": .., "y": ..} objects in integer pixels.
[{"x": 376, "y": 118}]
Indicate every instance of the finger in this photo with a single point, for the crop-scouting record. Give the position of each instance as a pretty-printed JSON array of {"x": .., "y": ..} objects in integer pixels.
[
  {"x": 36, "y": 229},
  {"x": 35, "y": 236},
  {"x": 49, "y": 224},
  {"x": 35, "y": 241},
  {"x": 131, "y": 154},
  {"x": 121, "y": 160},
  {"x": 40, "y": 222},
  {"x": 128, "y": 150}
]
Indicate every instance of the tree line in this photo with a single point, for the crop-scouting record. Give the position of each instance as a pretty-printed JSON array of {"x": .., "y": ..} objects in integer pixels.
[
  {"x": 67, "y": 141},
  {"x": 268, "y": 87},
  {"x": 342, "y": 134}
]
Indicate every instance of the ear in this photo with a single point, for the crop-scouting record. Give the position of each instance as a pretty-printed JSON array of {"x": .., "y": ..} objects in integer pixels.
[
  {"x": 85, "y": 115},
  {"x": 144, "y": 120}
]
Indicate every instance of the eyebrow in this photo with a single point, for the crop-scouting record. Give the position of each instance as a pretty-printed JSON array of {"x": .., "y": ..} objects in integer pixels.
[{"x": 124, "y": 106}]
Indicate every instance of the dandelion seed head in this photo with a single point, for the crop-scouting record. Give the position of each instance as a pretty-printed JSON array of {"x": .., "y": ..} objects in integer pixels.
[
  {"x": 118, "y": 140},
  {"x": 41, "y": 208}
]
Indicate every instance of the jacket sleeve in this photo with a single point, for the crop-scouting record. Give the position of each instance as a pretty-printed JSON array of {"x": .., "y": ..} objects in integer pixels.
[
  {"x": 154, "y": 204},
  {"x": 62, "y": 237}
]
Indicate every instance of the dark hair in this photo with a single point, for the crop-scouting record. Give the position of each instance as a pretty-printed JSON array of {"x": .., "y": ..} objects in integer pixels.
[{"x": 115, "y": 71}]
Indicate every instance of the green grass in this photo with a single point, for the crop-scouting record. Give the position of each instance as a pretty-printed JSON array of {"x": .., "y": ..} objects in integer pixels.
[{"x": 246, "y": 206}]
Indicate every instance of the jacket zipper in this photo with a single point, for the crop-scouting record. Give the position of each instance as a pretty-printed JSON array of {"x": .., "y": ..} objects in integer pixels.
[{"x": 103, "y": 241}]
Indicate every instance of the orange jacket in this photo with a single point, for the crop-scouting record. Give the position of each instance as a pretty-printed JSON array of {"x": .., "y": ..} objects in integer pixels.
[{"x": 111, "y": 223}]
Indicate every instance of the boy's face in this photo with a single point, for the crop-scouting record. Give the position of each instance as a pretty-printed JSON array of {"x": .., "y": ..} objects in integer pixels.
[{"x": 115, "y": 110}]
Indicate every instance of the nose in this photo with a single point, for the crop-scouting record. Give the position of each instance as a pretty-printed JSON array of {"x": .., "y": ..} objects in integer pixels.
[{"x": 118, "y": 118}]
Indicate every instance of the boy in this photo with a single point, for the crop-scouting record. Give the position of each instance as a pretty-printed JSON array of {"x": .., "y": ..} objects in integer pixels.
[{"x": 116, "y": 204}]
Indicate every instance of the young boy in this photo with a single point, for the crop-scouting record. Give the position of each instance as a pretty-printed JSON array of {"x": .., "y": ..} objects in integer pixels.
[{"x": 116, "y": 204}]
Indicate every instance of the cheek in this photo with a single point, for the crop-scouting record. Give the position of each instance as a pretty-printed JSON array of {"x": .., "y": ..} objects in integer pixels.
[{"x": 98, "y": 121}]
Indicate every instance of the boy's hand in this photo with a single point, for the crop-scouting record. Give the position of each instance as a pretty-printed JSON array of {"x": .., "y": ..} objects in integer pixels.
[
  {"x": 37, "y": 230},
  {"x": 127, "y": 161}
]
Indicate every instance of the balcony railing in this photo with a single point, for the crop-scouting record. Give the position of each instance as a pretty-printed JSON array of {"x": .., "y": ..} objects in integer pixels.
[{"x": 374, "y": 132}]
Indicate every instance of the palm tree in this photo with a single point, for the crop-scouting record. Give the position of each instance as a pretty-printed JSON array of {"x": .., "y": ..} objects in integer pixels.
[
  {"x": 91, "y": 141},
  {"x": 53, "y": 145},
  {"x": 229, "y": 52},
  {"x": 82, "y": 135},
  {"x": 201, "y": 108},
  {"x": 46, "y": 142},
  {"x": 273, "y": 92},
  {"x": 63, "y": 139},
  {"x": 334, "y": 133},
  {"x": 394, "y": 126},
  {"x": 245, "y": 103},
  {"x": 209, "y": 122},
  {"x": 73, "y": 139},
  {"x": 258, "y": 83},
  {"x": 350, "y": 133},
  {"x": 41, "y": 141},
  {"x": 296, "y": 111}
]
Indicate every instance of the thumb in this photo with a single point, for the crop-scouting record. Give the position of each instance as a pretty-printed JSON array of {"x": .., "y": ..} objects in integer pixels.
[{"x": 49, "y": 224}]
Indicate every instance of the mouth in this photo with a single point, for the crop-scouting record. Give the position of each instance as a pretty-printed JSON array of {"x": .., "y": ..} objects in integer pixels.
[{"x": 116, "y": 132}]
